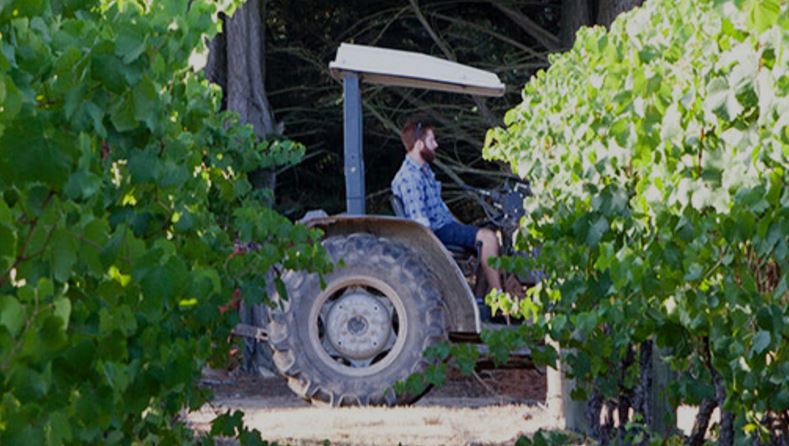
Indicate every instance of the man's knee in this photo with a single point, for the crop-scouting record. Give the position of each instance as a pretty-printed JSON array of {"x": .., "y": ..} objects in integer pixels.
[{"x": 488, "y": 238}]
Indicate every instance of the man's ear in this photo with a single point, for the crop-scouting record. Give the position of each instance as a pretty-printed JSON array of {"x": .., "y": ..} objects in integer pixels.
[{"x": 419, "y": 145}]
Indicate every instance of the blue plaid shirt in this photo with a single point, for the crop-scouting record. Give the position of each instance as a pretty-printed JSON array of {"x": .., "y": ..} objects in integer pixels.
[{"x": 420, "y": 192}]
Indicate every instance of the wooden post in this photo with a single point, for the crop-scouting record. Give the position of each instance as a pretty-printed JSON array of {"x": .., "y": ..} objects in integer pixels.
[
  {"x": 564, "y": 410},
  {"x": 664, "y": 417},
  {"x": 573, "y": 415}
]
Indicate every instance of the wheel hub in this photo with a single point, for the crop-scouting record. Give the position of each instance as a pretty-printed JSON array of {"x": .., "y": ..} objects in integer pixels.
[{"x": 358, "y": 325}]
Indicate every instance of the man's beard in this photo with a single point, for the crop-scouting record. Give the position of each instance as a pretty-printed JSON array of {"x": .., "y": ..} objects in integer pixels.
[{"x": 427, "y": 155}]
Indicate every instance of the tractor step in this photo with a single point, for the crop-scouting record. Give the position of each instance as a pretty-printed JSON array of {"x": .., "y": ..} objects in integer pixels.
[{"x": 518, "y": 359}]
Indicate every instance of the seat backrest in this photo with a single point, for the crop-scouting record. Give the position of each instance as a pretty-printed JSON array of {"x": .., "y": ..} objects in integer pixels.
[{"x": 397, "y": 206}]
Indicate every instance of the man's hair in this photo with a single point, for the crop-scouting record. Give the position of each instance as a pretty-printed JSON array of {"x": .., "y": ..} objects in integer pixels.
[{"x": 414, "y": 129}]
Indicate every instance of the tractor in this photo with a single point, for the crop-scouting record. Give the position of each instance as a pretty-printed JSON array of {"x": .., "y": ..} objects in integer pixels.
[{"x": 396, "y": 290}]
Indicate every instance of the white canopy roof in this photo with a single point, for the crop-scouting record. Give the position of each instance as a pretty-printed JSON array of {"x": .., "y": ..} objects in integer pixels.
[{"x": 408, "y": 69}]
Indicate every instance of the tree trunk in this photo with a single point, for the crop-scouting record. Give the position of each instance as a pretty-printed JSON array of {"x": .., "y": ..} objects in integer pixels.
[
  {"x": 574, "y": 15},
  {"x": 607, "y": 10},
  {"x": 594, "y": 408},
  {"x": 702, "y": 422},
  {"x": 663, "y": 417},
  {"x": 237, "y": 63},
  {"x": 726, "y": 435}
]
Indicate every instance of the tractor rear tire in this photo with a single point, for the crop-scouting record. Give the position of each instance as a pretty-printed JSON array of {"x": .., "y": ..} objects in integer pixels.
[{"x": 350, "y": 342}]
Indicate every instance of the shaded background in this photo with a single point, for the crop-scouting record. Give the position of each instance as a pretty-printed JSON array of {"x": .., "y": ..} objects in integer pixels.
[{"x": 302, "y": 102}]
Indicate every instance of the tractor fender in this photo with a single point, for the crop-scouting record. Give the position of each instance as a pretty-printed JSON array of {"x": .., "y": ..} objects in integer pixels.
[{"x": 460, "y": 303}]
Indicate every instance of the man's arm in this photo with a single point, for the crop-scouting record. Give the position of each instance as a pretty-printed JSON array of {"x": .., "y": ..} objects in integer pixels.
[{"x": 414, "y": 199}]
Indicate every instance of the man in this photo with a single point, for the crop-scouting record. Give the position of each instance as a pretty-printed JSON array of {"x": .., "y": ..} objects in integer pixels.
[{"x": 416, "y": 186}]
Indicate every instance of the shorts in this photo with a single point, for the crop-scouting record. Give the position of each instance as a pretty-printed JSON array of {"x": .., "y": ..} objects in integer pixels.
[{"x": 458, "y": 234}]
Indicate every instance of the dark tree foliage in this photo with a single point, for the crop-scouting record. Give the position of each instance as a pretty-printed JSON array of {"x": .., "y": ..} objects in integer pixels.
[
  {"x": 303, "y": 38},
  {"x": 511, "y": 38}
]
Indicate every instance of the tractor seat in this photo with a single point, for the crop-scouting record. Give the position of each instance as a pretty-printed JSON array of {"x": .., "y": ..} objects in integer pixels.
[
  {"x": 397, "y": 206},
  {"x": 399, "y": 210}
]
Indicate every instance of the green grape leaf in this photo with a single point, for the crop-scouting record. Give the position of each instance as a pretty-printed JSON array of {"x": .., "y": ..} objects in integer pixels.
[
  {"x": 122, "y": 116},
  {"x": 82, "y": 185},
  {"x": 130, "y": 43},
  {"x": 763, "y": 14},
  {"x": 761, "y": 341},
  {"x": 597, "y": 231},
  {"x": 59, "y": 430},
  {"x": 7, "y": 246},
  {"x": 63, "y": 310},
  {"x": 12, "y": 314},
  {"x": 145, "y": 99},
  {"x": 39, "y": 161},
  {"x": 64, "y": 254},
  {"x": 722, "y": 100},
  {"x": 227, "y": 424}
]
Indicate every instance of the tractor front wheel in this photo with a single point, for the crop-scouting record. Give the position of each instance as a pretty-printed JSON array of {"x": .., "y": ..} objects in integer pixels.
[{"x": 350, "y": 342}]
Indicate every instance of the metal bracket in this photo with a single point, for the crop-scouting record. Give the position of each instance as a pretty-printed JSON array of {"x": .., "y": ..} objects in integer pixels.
[{"x": 250, "y": 331}]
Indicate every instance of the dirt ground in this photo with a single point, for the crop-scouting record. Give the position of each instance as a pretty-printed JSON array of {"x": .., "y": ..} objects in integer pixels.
[{"x": 492, "y": 407}]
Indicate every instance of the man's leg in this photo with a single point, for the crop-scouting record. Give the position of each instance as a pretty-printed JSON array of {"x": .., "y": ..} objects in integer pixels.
[
  {"x": 490, "y": 248},
  {"x": 467, "y": 236}
]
